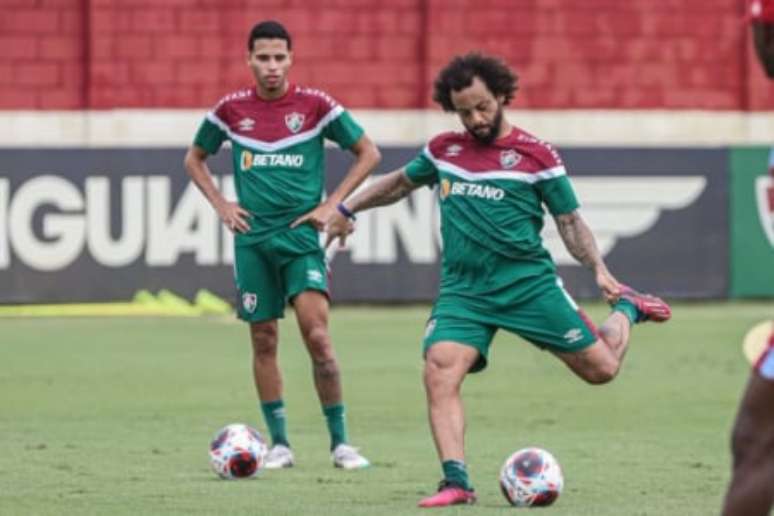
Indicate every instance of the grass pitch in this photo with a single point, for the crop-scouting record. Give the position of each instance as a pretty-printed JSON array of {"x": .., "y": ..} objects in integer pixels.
[{"x": 113, "y": 416}]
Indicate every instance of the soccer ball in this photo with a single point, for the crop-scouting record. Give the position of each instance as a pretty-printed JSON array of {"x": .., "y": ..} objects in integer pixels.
[
  {"x": 531, "y": 477},
  {"x": 237, "y": 451}
]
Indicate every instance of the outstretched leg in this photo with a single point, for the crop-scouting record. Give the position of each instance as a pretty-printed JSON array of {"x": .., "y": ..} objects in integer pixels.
[{"x": 600, "y": 362}]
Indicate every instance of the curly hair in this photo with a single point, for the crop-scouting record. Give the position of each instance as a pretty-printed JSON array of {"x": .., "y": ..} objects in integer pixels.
[{"x": 459, "y": 74}]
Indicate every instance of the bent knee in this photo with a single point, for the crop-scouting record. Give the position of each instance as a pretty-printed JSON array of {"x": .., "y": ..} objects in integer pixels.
[{"x": 601, "y": 374}]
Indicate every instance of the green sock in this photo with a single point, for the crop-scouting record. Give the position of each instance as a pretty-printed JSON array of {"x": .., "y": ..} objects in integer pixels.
[
  {"x": 274, "y": 415},
  {"x": 627, "y": 308},
  {"x": 337, "y": 426},
  {"x": 456, "y": 472}
]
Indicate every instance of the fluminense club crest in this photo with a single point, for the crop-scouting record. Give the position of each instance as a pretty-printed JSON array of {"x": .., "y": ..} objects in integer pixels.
[
  {"x": 509, "y": 158},
  {"x": 249, "y": 302},
  {"x": 294, "y": 121},
  {"x": 764, "y": 193}
]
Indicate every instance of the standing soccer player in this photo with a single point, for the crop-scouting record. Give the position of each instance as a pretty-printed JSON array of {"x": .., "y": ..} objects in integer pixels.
[
  {"x": 751, "y": 491},
  {"x": 277, "y": 130},
  {"x": 493, "y": 180}
]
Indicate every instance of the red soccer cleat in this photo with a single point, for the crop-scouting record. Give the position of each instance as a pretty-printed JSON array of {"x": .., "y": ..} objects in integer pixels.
[
  {"x": 649, "y": 308},
  {"x": 449, "y": 494}
]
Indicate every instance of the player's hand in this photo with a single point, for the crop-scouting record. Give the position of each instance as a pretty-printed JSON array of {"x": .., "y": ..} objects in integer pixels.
[
  {"x": 339, "y": 227},
  {"x": 611, "y": 289},
  {"x": 318, "y": 217},
  {"x": 234, "y": 217}
]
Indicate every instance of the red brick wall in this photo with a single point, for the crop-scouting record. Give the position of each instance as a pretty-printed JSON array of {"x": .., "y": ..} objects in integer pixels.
[
  {"x": 64, "y": 54},
  {"x": 41, "y": 54}
]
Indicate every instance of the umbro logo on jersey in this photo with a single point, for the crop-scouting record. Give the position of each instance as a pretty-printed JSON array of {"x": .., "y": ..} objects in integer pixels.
[
  {"x": 453, "y": 150},
  {"x": 509, "y": 158},
  {"x": 573, "y": 335},
  {"x": 246, "y": 124},
  {"x": 294, "y": 121},
  {"x": 314, "y": 276}
]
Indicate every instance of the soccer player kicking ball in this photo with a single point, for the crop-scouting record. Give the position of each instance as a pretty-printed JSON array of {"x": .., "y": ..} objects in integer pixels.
[
  {"x": 751, "y": 491},
  {"x": 493, "y": 180},
  {"x": 276, "y": 130}
]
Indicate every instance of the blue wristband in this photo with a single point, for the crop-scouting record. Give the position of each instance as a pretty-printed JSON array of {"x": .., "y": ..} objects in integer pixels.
[{"x": 344, "y": 211}]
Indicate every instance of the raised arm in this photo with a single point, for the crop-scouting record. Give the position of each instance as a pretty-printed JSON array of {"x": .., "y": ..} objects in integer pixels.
[
  {"x": 389, "y": 188},
  {"x": 580, "y": 242}
]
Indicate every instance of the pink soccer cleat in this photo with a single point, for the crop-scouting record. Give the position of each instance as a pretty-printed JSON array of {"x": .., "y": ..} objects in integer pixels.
[
  {"x": 449, "y": 494},
  {"x": 649, "y": 308}
]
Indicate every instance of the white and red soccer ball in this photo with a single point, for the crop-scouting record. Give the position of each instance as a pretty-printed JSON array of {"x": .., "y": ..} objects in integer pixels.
[
  {"x": 531, "y": 477},
  {"x": 237, "y": 451}
]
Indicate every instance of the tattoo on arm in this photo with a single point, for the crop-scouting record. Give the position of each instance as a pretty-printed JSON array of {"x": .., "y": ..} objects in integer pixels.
[
  {"x": 385, "y": 190},
  {"x": 578, "y": 239}
]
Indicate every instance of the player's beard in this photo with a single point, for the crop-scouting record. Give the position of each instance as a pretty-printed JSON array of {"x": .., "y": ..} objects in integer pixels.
[{"x": 494, "y": 128}]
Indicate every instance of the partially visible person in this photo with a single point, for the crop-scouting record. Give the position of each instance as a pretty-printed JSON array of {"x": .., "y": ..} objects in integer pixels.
[
  {"x": 751, "y": 491},
  {"x": 762, "y": 19}
]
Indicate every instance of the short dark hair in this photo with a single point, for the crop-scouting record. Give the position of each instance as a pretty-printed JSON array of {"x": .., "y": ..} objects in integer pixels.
[
  {"x": 459, "y": 74},
  {"x": 268, "y": 29}
]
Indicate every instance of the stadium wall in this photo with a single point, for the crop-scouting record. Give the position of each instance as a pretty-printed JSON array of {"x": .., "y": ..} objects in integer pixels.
[{"x": 595, "y": 54}]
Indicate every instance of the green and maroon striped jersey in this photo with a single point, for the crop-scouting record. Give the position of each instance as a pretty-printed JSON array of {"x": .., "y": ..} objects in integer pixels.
[
  {"x": 278, "y": 151},
  {"x": 491, "y": 200}
]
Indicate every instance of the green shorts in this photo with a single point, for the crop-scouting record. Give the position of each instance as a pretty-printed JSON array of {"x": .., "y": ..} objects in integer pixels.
[
  {"x": 550, "y": 320},
  {"x": 272, "y": 272}
]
